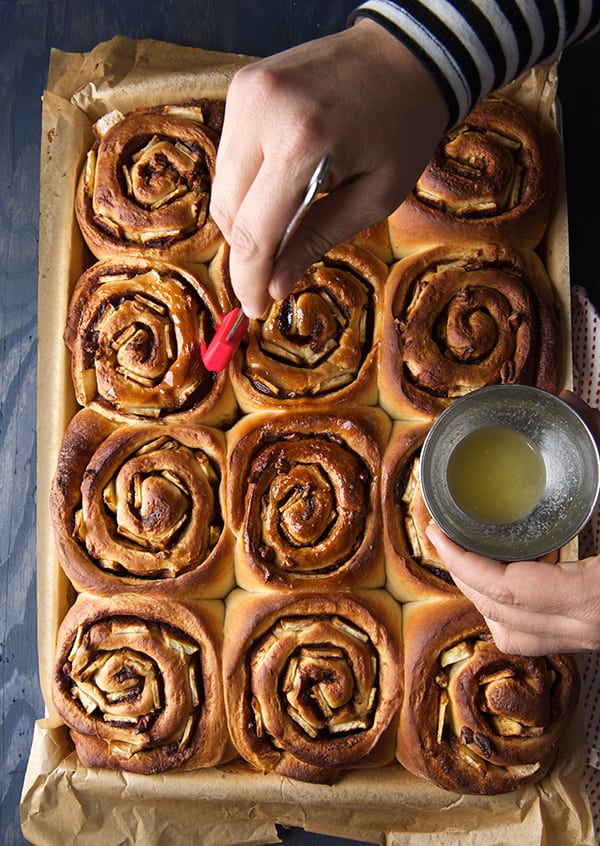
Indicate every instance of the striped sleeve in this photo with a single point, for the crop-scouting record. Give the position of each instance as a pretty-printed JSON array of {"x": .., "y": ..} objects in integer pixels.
[{"x": 473, "y": 47}]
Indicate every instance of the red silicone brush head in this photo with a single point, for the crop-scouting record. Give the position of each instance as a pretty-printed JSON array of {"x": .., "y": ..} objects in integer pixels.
[{"x": 217, "y": 355}]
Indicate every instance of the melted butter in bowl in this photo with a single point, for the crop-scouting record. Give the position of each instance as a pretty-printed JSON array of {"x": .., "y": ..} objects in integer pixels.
[
  {"x": 496, "y": 474},
  {"x": 511, "y": 472}
]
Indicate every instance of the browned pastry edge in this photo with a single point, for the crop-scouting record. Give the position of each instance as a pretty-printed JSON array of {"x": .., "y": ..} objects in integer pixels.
[
  {"x": 178, "y": 229},
  {"x": 498, "y": 167},
  {"x": 156, "y": 661},
  {"x": 413, "y": 567},
  {"x": 297, "y": 666},
  {"x": 512, "y": 710},
  {"x": 219, "y": 275},
  {"x": 376, "y": 239},
  {"x": 461, "y": 317},
  {"x": 85, "y": 467},
  {"x": 283, "y": 470}
]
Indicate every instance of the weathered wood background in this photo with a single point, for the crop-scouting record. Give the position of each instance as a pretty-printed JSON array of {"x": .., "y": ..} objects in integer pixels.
[{"x": 28, "y": 30}]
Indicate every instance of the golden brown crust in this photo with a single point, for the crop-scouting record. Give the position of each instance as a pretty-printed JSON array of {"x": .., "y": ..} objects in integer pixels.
[
  {"x": 218, "y": 271},
  {"x": 144, "y": 190},
  {"x": 474, "y": 719},
  {"x": 319, "y": 345},
  {"x": 491, "y": 178},
  {"x": 303, "y": 499},
  {"x": 459, "y": 318},
  {"x": 313, "y": 683},
  {"x": 138, "y": 683},
  {"x": 141, "y": 508},
  {"x": 375, "y": 239},
  {"x": 413, "y": 567},
  {"x": 135, "y": 328}
]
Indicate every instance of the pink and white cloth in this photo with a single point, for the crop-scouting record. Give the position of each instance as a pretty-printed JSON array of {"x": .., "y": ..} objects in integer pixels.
[{"x": 585, "y": 322}]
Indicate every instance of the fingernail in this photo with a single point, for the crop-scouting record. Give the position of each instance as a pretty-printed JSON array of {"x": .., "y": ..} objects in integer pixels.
[
  {"x": 251, "y": 313},
  {"x": 255, "y": 310},
  {"x": 283, "y": 283},
  {"x": 430, "y": 525}
]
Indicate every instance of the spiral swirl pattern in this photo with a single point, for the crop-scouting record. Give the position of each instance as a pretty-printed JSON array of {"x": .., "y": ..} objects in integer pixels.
[
  {"x": 490, "y": 178},
  {"x": 138, "y": 685},
  {"x": 145, "y": 187},
  {"x": 476, "y": 720},
  {"x": 318, "y": 344},
  {"x": 303, "y": 496},
  {"x": 313, "y": 683},
  {"x": 140, "y": 507},
  {"x": 458, "y": 319},
  {"x": 134, "y": 330}
]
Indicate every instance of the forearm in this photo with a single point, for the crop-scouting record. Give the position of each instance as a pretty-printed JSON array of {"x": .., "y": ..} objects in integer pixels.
[{"x": 475, "y": 47}]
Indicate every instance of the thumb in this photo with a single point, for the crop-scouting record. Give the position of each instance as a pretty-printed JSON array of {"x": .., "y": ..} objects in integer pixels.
[{"x": 333, "y": 219}]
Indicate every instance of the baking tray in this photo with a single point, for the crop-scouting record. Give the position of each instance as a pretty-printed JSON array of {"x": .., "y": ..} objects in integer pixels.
[{"x": 64, "y": 802}]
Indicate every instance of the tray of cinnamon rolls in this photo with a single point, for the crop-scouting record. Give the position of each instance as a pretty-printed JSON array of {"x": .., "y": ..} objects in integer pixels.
[{"x": 238, "y": 600}]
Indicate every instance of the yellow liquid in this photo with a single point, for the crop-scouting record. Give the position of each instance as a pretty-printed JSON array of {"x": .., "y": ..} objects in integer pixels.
[{"x": 496, "y": 475}]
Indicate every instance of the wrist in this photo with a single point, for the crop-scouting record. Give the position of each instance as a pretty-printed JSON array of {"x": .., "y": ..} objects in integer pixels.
[{"x": 406, "y": 66}]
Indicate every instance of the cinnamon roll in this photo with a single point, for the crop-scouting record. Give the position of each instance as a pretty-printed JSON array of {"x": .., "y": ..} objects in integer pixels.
[
  {"x": 414, "y": 569},
  {"x": 458, "y": 318},
  {"x": 492, "y": 178},
  {"x": 138, "y": 683},
  {"x": 140, "y": 508},
  {"x": 319, "y": 345},
  {"x": 313, "y": 682},
  {"x": 303, "y": 499},
  {"x": 474, "y": 719},
  {"x": 134, "y": 329},
  {"x": 144, "y": 190}
]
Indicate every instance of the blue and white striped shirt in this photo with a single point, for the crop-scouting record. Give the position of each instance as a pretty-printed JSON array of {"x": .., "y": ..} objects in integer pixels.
[{"x": 473, "y": 47}]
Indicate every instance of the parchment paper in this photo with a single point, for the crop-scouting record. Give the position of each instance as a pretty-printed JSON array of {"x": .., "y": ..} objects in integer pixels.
[{"x": 64, "y": 803}]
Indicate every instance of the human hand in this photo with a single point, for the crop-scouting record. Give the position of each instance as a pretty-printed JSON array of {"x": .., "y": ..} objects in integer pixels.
[
  {"x": 358, "y": 95},
  {"x": 531, "y": 608}
]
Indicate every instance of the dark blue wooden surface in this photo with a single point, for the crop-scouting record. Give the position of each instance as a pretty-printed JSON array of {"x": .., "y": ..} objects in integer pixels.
[{"x": 28, "y": 30}]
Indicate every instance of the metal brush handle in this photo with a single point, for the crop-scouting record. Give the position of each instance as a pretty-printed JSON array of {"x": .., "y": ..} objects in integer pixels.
[{"x": 312, "y": 191}]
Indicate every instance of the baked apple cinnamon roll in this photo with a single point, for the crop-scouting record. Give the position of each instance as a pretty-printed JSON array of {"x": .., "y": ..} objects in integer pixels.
[
  {"x": 144, "y": 190},
  {"x": 319, "y": 345},
  {"x": 414, "y": 569},
  {"x": 303, "y": 499},
  {"x": 492, "y": 178},
  {"x": 138, "y": 683},
  {"x": 459, "y": 318},
  {"x": 141, "y": 508},
  {"x": 313, "y": 682},
  {"x": 135, "y": 329},
  {"x": 474, "y": 719}
]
